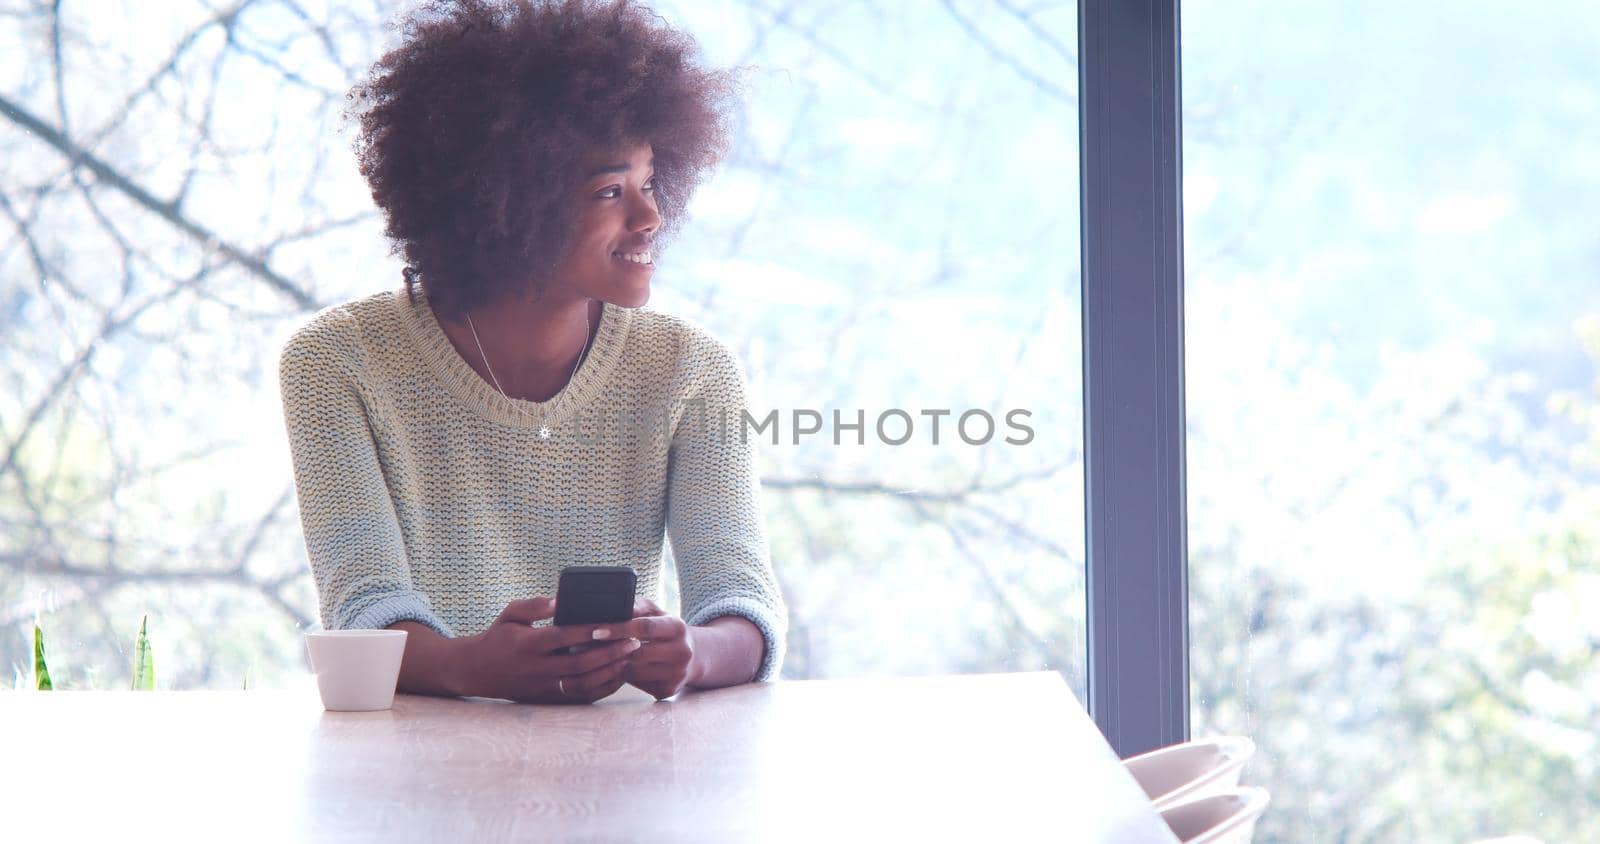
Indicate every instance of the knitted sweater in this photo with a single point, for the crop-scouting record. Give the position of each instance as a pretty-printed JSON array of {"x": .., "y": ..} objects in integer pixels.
[{"x": 426, "y": 495}]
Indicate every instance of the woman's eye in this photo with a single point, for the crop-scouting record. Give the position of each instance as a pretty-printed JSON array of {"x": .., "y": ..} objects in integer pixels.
[{"x": 615, "y": 190}]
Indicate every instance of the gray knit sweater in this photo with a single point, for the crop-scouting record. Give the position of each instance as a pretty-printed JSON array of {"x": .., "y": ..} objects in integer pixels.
[{"x": 427, "y": 495}]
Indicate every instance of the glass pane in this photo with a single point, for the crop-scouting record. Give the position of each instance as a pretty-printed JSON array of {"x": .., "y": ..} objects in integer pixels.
[
  {"x": 1393, "y": 326},
  {"x": 895, "y": 230}
]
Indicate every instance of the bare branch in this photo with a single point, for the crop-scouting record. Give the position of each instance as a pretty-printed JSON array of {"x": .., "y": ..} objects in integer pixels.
[
  {"x": 996, "y": 593},
  {"x": 223, "y": 17},
  {"x": 304, "y": 300},
  {"x": 242, "y": 562},
  {"x": 959, "y": 495},
  {"x": 100, "y": 579},
  {"x": 109, "y": 326},
  {"x": 202, "y": 135},
  {"x": 782, "y": 17},
  {"x": 1007, "y": 58},
  {"x": 272, "y": 62},
  {"x": 323, "y": 35},
  {"x": 46, "y": 273},
  {"x": 1025, "y": 16}
]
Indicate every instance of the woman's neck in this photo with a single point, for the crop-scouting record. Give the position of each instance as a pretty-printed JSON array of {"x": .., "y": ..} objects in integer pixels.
[{"x": 532, "y": 347}]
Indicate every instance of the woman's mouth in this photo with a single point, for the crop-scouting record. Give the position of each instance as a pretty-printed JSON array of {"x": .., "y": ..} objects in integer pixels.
[{"x": 639, "y": 258}]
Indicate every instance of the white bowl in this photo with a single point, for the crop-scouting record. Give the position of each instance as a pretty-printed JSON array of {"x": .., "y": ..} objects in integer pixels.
[
  {"x": 1191, "y": 770},
  {"x": 357, "y": 670},
  {"x": 1226, "y": 818}
]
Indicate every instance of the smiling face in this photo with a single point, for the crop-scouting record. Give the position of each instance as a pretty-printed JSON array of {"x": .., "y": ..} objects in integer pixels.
[{"x": 610, "y": 256}]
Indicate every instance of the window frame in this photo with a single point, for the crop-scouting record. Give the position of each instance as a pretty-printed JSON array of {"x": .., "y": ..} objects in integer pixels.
[{"x": 1130, "y": 147}]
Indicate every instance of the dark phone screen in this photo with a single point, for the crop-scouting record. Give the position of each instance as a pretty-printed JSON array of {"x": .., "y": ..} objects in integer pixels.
[{"x": 595, "y": 595}]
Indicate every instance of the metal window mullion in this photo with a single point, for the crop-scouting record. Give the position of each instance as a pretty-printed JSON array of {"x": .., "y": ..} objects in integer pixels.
[{"x": 1132, "y": 244}]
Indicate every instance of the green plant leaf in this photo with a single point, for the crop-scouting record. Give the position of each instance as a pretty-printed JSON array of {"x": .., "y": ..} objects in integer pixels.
[
  {"x": 144, "y": 669},
  {"x": 41, "y": 672}
]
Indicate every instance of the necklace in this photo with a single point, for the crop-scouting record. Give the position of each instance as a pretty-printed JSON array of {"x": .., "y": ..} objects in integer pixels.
[{"x": 544, "y": 430}]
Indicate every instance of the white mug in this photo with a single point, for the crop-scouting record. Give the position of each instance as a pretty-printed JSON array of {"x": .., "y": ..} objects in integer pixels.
[{"x": 357, "y": 670}]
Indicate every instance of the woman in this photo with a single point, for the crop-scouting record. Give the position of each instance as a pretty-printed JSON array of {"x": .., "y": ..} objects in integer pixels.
[{"x": 461, "y": 440}]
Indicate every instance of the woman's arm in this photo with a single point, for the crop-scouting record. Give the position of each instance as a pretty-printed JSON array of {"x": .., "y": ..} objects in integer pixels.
[
  {"x": 727, "y": 652},
  {"x": 353, "y": 541},
  {"x": 432, "y": 664},
  {"x": 718, "y": 532}
]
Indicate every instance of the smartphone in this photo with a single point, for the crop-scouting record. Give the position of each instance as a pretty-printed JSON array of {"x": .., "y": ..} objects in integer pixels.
[{"x": 595, "y": 595}]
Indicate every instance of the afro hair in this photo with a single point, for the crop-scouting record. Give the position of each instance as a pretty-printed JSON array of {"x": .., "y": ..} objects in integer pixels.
[{"x": 472, "y": 131}]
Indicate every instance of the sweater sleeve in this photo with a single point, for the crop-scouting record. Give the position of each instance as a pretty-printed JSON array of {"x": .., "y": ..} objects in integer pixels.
[
  {"x": 353, "y": 540},
  {"x": 714, "y": 515}
]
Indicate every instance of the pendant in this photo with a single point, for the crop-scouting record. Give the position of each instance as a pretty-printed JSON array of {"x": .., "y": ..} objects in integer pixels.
[{"x": 544, "y": 432}]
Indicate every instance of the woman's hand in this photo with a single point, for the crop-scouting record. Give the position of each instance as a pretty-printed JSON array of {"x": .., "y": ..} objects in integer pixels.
[
  {"x": 526, "y": 664},
  {"x": 662, "y": 664}
]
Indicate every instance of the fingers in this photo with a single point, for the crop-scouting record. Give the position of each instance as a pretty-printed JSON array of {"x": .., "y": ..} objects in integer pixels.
[
  {"x": 608, "y": 689},
  {"x": 661, "y": 681},
  {"x": 555, "y": 638},
  {"x": 661, "y": 653},
  {"x": 645, "y": 606},
  {"x": 593, "y": 685},
  {"x": 655, "y": 658},
  {"x": 649, "y": 628},
  {"x": 662, "y": 628},
  {"x": 590, "y": 660},
  {"x": 580, "y": 678},
  {"x": 527, "y": 611}
]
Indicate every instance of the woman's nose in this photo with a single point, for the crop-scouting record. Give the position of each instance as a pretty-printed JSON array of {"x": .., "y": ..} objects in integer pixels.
[{"x": 643, "y": 216}]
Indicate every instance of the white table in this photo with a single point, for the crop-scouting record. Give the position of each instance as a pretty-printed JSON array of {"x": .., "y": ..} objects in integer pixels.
[{"x": 1000, "y": 757}]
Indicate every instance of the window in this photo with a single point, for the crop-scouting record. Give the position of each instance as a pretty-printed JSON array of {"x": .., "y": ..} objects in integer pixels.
[
  {"x": 1393, "y": 322},
  {"x": 896, "y": 236},
  {"x": 896, "y": 230}
]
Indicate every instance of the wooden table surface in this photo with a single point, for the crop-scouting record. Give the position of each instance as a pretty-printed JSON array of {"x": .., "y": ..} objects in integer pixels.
[{"x": 998, "y": 757}]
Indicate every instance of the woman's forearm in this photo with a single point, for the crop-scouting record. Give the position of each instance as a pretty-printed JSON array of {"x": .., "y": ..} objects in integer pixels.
[
  {"x": 433, "y": 664},
  {"x": 727, "y": 652}
]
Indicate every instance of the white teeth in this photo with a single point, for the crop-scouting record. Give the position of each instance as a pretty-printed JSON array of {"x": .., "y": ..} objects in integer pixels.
[{"x": 636, "y": 257}]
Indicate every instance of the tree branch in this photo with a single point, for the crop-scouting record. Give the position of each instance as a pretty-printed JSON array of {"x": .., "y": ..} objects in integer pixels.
[
  {"x": 109, "y": 326},
  {"x": 103, "y": 580},
  {"x": 77, "y": 156},
  {"x": 1006, "y": 58}
]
